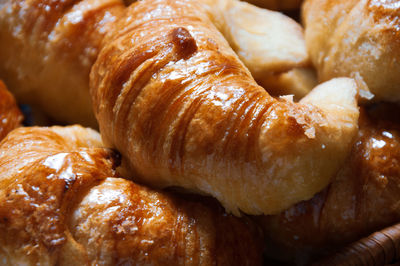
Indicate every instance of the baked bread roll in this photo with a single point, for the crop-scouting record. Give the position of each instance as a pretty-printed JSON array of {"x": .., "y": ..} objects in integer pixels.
[
  {"x": 47, "y": 50},
  {"x": 270, "y": 44},
  {"x": 265, "y": 41},
  {"x": 175, "y": 100},
  {"x": 61, "y": 203},
  {"x": 363, "y": 199},
  {"x": 10, "y": 115},
  {"x": 351, "y": 38}
]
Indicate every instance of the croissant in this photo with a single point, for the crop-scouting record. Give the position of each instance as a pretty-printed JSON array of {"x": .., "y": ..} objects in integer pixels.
[
  {"x": 363, "y": 198},
  {"x": 171, "y": 95},
  {"x": 43, "y": 54},
  {"x": 356, "y": 38},
  {"x": 212, "y": 129},
  {"x": 61, "y": 203},
  {"x": 48, "y": 50},
  {"x": 10, "y": 115}
]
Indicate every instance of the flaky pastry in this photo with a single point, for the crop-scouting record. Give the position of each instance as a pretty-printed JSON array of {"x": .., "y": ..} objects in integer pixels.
[
  {"x": 175, "y": 100},
  {"x": 61, "y": 203},
  {"x": 269, "y": 43},
  {"x": 47, "y": 49},
  {"x": 363, "y": 198}
]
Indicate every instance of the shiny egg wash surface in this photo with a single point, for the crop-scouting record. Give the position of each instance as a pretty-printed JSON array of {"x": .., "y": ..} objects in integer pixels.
[
  {"x": 10, "y": 115},
  {"x": 62, "y": 203}
]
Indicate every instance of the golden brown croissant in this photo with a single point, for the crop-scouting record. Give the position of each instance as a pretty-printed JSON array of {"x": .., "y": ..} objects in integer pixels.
[
  {"x": 10, "y": 115},
  {"x": 62, "y": 204},
  {"x": 363, "y": 198},
  {"x": 171, "y": 94},
  {"x": 47, "y": 49},
  {"x": 174, "y": 99},
  {"x": 356, "y": 38}
]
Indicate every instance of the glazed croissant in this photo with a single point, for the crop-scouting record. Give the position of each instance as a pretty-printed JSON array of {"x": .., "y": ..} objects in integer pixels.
[
  {"x": 10, "y": 115},
  {"x": 171, "y": 95},
  {"x": 356, "y": 38},
  {"x": 48, "y": 49},
  {"x": 363, "y": 198},
  {"x": 61, "y": 203},
  {"x": 174, "y": 99}
]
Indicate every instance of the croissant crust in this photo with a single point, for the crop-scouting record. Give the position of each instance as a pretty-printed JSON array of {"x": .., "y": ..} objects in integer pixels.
[
  {"x": 175, "y": 100},
  {"x": 10, "y": 115},
  {"x": 61, "y": 203}
]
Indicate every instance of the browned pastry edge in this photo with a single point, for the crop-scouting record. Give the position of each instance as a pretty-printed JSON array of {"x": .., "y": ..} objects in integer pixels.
[
  {"x": 47, "y": 49},
  {"x": 10, "y": 115}
]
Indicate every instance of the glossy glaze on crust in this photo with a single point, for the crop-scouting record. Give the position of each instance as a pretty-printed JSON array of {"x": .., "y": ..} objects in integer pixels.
[
  {"x": 364, "y": 197},
  {"x": 352, "y": 37},
  {"x": 174, "y": 98},
  {"x": 61, "y": 203},
  {"x": 47, "y": 48},
  {"x": 10, "y": 115},
  {"x": 185, "y": 112}
]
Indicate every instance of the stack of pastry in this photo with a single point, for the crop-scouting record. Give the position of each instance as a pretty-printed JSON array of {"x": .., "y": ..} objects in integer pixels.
[{"x": 181, "y": 94}]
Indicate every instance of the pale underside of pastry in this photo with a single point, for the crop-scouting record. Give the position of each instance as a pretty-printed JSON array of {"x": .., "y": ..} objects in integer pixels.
[
  {"x": 270, "y": 44},
  {"x": 356, "y": 38},
  {"x": 277, "y": 4}
]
